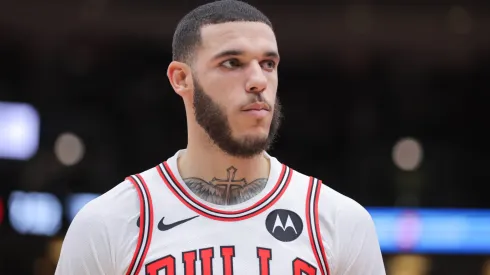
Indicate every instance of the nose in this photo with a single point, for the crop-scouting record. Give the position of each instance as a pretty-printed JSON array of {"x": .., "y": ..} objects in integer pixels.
[{"x": 257, "y": 82}]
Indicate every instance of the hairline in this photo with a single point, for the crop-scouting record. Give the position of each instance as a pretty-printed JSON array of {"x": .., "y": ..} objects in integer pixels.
[{"x": 190, "y": 58}]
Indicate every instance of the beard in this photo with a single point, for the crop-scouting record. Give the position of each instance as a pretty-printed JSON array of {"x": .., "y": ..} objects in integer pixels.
[{"x": 212, "y": 118}]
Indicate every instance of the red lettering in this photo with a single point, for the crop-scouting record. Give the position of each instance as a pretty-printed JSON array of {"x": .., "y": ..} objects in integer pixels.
[
  {"x": 167, "y": 263},
  {"x": 264, "y": 255},
  {"x": 227, "y": 253},
  {"x": 189, "y": 261},
  {"x": 206, "y": 255},
  {"x": 301, "y": 267}
]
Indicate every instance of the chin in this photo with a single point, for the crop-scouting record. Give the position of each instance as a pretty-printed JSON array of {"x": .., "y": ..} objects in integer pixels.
[{"x": 257, "y": 133}]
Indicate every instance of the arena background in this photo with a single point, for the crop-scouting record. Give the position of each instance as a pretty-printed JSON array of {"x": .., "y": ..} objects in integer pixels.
[{"x": 387, "y": 102}]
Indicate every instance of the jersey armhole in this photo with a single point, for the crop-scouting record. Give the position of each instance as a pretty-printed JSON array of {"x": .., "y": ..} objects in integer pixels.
[
  {"x": 145, "y": 224},
  {"x": 313, "y": 225}
]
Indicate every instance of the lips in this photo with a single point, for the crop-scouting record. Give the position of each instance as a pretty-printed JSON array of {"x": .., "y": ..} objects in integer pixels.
[{"x": 257, "y": 106}]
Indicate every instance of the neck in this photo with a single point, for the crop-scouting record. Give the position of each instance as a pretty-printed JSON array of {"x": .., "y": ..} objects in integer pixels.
[{"x": 220, "y": 178}]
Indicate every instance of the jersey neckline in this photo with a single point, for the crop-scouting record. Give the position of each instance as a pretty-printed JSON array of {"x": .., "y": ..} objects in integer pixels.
[{"x": 277, "y": 183}]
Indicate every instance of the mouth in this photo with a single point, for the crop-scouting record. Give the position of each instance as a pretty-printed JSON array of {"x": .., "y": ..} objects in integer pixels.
[
  {"x": 257, "y": 106},
  {"x": 257, "y": 110}
]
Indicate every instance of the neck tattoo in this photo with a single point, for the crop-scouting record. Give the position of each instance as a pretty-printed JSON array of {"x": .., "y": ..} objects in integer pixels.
[{"x": 228, "y": 191}]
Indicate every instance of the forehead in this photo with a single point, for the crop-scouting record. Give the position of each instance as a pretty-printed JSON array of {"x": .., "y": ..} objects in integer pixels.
[{"x": 249, "y": 37}]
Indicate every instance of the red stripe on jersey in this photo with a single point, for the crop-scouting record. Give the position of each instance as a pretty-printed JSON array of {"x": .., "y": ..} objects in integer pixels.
[
  {"x": 317, "y": 222},
  {"x": 212, "y": 210},
  {"x": 308, "y": 221},
  {"x": 176, "y": 182},
  {"x": 143, "y": 225}
]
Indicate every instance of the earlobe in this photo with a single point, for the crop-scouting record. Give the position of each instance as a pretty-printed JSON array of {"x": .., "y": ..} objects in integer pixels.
[{"x": 178, "y": 75}]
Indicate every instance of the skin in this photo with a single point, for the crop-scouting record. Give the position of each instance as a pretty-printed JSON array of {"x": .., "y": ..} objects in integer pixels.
[{"x": 235, "y": 65}]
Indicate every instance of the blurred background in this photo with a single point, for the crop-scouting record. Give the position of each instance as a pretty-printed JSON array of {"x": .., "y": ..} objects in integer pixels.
[{"x": 387, "y": 102}]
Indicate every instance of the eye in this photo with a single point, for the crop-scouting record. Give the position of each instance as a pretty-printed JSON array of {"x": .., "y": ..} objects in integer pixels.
[
  {"x": 231, "y": 64},
  {"x": 269, "y": 64}
]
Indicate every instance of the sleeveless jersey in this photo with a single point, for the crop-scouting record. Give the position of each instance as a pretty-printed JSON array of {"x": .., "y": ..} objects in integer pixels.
[{"x": 276, "y": 232}]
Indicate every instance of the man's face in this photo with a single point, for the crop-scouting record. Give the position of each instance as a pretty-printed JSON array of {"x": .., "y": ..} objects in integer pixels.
[{"x": 235, "y": 85}]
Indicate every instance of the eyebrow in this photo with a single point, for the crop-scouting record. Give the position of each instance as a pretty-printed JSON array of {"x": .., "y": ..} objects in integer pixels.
[{"x": 229, "y": 53}]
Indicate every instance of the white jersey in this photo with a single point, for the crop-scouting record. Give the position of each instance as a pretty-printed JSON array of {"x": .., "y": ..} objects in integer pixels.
[{"x": 153, "y": 224}]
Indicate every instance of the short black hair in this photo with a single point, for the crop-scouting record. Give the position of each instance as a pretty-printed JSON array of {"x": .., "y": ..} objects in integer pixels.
[{"x": 187, "y": 35}]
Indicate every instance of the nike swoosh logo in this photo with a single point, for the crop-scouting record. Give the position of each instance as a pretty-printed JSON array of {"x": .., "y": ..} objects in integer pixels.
[{"x": 165, "y": 227}]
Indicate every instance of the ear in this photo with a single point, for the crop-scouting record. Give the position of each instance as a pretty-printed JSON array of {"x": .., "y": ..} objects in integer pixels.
[{"x": 180, "y": 77}]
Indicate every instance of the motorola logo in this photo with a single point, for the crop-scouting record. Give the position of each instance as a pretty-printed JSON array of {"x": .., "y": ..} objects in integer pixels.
[{"x": 284, "y": 225}]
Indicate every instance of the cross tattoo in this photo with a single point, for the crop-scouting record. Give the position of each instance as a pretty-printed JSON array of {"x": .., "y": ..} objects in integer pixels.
[{"x": 229, "y": 183}]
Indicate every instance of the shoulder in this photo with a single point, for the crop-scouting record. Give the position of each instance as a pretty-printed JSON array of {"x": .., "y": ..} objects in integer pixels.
[
  {"x": 112, "y": 216},
  {"x": 107, "y": 224},
  {"x": 334, "y": 209},
  {"x": 102, "y": 225},
  {"x": 333, "y": 205},
  {"x": 117, "y": 203},
  {"x": 121, "y": 204},
  {"x": 341, "y": 208},
  {"x": 349, "y": 234}
]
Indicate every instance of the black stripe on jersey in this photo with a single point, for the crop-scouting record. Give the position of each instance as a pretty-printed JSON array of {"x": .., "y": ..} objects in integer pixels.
[
  {"x": 312, "y": 212},
  {"x": 146, "y": 225},
  {"x": 204, "y": 210}
]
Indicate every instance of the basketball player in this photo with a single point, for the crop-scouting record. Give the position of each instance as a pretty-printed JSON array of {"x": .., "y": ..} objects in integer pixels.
[{"x": 223, "y": 206}]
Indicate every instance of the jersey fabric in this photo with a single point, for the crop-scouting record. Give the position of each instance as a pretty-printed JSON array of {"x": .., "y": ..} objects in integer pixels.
[{"x": 153, "y": 224}]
